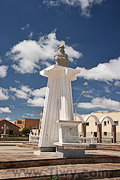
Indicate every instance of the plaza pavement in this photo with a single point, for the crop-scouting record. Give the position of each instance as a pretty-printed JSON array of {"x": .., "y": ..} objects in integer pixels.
[{"x": 16, "y": 153}]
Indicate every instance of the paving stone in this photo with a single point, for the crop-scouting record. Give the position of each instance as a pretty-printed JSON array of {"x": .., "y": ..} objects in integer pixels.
[
  {"x": 15, "y": 153},
  {"x": 92, "y": 170}
]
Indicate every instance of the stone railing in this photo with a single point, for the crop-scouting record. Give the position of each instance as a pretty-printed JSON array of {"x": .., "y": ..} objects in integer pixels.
[
  {"x": 107, "y": 139},
  {"x": 33, "y": 138},
  {"x": 91, "y": 139}
]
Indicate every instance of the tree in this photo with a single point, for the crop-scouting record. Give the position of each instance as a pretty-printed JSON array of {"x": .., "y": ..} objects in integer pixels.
[{"x": 25, "y": 131}]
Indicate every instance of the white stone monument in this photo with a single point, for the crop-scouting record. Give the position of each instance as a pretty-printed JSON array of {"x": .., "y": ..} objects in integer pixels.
[
  {"x": 4, "y": 135},
  {"x": 59, "y": 130}
]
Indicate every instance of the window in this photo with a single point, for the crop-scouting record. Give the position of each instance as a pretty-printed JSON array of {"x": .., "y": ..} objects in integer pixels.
[
  {"x": 104, "y": 123},
  {"x": 95, "y": 134},
  {"x": 19, "y": 122},
  {"x": 116, "y": 122},
  {"x": 23, "y": 122},
  {"x": 108, "y": 122},
  {"x": 105, "y": 133},
  {"x": 95, "y": 123},
  {"x": 87, "y": 124},
  {"x": 15, "y": 122}
]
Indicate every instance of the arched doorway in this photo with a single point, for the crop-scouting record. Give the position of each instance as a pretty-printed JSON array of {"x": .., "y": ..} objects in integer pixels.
[
  {"x": 11, "y": 132},
  {"x": 93, "y": 129},
  {"x": 109, "y": 122}
]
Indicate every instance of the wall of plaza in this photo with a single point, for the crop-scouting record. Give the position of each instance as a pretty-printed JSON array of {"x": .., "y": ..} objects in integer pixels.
[{"x": 91, "y": 125}]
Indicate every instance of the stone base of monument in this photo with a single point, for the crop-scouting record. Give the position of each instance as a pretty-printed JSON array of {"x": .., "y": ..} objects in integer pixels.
[
  {"x": 68, "y": 131},
  {"x": 39, "y": 153},
  {"x": 69, "y": 145},
  {"x": 4, "y": 136},
  {"x": 47, "y": 149},
  {"x": 70, "y": 150}
]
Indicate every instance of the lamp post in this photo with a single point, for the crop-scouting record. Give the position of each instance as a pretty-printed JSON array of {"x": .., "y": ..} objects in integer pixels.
[{"x": 77, "y": 102}]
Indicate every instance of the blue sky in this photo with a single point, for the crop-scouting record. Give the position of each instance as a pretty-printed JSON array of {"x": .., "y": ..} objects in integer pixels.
[{"x": 30, "y": 33}]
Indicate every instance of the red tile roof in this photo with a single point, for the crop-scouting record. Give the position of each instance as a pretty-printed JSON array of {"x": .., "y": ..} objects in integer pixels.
[
  {"x": 2, "y": 119},
  {"x": 9, "y": 122}
]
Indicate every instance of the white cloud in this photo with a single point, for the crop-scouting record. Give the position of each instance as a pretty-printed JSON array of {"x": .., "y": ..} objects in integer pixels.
[
  {"x": 108, "y": 82},
  {"x": 25, "y": 88},
  {"x": 103, "y": 72},
  {"x": 85, "y": 5},
  {"x": 17, "y": 81},
  {"x": 25, "y": 27},
  {"x": 85, "y": 83},
  {"x": 28, "y": 115},
  {"x": 28, "y": 55},
  {"x": 3, "y": 71},
  {"x": 30, "y": 35},
  {"x": 0, "y": 60},
  {"x": 3, "y": 94},
  {"x": 8, "y": 118},
  {"x": 33, "y": 97},
  {"x": 117, "y": 92},
  {"x": 5, "y": 110},
  {"x": 36, "y": 101},
  {"x": 39, "y": 92},
  {"x": 19, "y": 93},
  {"x": 101, "y": 103},
  {"x": 72, "y": 53},
  {"x": 117, "y": 83},
  {"x": 107, "y": 90},
  {"x": 52, "y": 2},
  {"x": 90, "y": 93}
]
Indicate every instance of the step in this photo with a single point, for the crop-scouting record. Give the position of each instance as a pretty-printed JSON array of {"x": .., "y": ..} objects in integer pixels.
[
  {"x": 64, "y": 172},
  {"x": 29, "y": 145},
  {"x": 35, "y": 146},
  {"x": 58, "y": 161},
  {"x": 113, "y": 147}
]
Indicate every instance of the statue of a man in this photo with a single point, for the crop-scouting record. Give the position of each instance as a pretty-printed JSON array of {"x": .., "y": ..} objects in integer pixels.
[{"x": 61, "y": 57}]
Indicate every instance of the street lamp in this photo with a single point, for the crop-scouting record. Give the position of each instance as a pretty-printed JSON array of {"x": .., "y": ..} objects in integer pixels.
[{"x": 77, "y": 102}]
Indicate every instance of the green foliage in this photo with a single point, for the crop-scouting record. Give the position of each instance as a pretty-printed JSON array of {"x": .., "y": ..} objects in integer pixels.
[
  {"x": 18, "y": 137},
  {"x": 55, "y": 177},
  {"x": 25, "y": 131}
]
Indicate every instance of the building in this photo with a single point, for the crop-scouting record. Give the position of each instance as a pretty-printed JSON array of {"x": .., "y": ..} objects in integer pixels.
[
  {"x": 41, "y": 117},
  {"x": 91, "y": 124},
  {"x": 12, "y": 130},
  {"x": 28, "y": 123}
]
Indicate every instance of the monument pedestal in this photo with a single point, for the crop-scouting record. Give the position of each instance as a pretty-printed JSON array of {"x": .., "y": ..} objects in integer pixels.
[
  {"x": 68, "y": 131},
  {"x": 47, "y": 149},
  {"x": 70, "y": 150},
  {"x": 69, "y": 145}
]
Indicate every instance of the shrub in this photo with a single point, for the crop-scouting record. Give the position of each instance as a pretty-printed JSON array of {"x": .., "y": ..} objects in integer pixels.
[{"x": 26, "y": 131}]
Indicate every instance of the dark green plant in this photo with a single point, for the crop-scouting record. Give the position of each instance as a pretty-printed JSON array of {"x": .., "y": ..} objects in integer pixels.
[
  {"x": 26, "y": 131},
  {"x": 56, "y": 177}
]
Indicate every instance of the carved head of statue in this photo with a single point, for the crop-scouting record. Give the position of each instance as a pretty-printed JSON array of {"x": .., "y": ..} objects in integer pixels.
[
  {"x": 61, "y": 57},
  {"x": 61, "y": 48}
]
